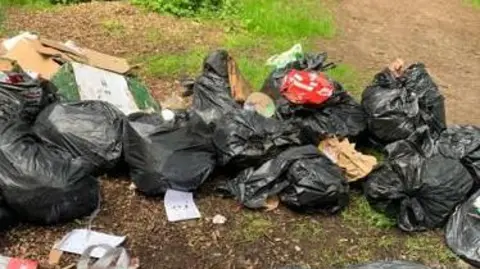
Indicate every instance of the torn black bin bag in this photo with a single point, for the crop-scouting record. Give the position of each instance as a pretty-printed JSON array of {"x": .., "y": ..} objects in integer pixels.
[
  {"x": 168, "y": 154},
  {"x": 462, "y": 233},
  {"x": 7, "y": 217},
  {"x": 310, "y": 62},
  {"x": 36, "y": 94},
  {"x": 212, "y": 97},
  {"x": 41, "y": 184},
  {"x": 247, "y": 139},
  {"x": 92, "y": 130},
  {"x": 416, "y": 184},
  {"x": 390, "y": 265},
  {"x": 12, "y": 106},
  {"x": 463, "y": 143},
  {"x": 340, "y": 115},
  {"x": 318, "y": 185},
  {"x": 253, "y": 186},
  {"x": 397, "y": 107}
]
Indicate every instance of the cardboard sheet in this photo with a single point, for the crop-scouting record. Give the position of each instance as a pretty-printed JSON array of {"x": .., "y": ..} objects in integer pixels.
[{"x": 26, "y": 55}]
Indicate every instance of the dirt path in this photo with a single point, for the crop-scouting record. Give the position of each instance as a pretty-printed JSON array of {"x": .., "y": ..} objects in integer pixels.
[{"x": 444, "y": 34}]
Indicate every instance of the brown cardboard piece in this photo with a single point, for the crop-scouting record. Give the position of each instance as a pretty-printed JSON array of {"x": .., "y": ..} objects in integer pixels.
[
  {"x": 6, "y": 64},
  {"x": 355, "y": 164},
  {"x": 25, "y": 54},
  {"x": 240, "y": 88},
  {"x": 86, "y": 56}
]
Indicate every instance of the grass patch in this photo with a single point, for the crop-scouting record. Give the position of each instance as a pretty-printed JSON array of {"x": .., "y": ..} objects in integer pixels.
[
  {"x": 428, "y": 247},
  {"x": 474, "y": 3},
  {"x": 307, "y": 229},
  {"x": 253, "y": 226},
  {"x": 113, "y": 27},
  {"x": 286, "y": 19},
  {"x": 36, "y": 4},
  {"x": 174, "y": 65},
  {"x": 348, "y": 77},
  {"x": 360, "y": 211},
  {"x": 254, "y": 71}
]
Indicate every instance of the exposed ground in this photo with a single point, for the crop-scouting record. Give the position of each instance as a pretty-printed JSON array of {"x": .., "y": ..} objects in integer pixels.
[{"x": 444, "y": 34}]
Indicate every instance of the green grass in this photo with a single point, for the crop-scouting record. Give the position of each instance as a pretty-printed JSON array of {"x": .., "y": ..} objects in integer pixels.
[
  {"x": 113, "y": 27},
  {"x": 359, "y": 211},
  {"x": 428, "y": 247},
  {"x": 252, "y": 227},
  {"x": 188, "y": 63},
  {"x": 26, "y": 3},
  {"x": 474, "y": 3},
  {"x": 286, "y": 19},
  {"x": 348, "y": 77}
]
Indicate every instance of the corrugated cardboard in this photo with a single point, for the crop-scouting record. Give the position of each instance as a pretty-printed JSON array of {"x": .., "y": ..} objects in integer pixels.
[
  {"x": 85, "y": 56},
  {"x": 27, "y": 56}
]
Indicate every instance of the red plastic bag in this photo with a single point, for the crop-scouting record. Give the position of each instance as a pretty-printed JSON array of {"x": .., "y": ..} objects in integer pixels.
[{"x": 303, "y": 87}]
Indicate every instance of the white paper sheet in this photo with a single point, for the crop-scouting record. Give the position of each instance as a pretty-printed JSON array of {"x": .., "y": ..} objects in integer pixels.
[
  {"x": 180, "y": 206},
  {"x": 98, "y": 84},
  {"x": 78, "y": 240}
]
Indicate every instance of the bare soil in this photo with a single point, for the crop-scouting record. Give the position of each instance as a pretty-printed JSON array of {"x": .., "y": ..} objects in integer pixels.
[{"x": 444, "y": 34}]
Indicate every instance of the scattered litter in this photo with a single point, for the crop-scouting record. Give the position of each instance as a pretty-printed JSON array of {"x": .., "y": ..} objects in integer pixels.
[
  {"x": 180, "y": 206},
  {"x": 297, "y": 248},
  {"x": 114, "y": 258},
  {"x": 272, "y": 203},
  {"x": 219, "y": 219},
  {"x": 416, "y": 185},
  {"x": 390, "y": 265},
  {"x": 80, "y": 240},
  {"x": 16, "y": 263},
  {"x": 168, "y": 115},
  {"x": 398, "y": 106},
  {"x": 462, "y": 232},
  {"x": 261, "y": 103},
  {"x": 282, "y": 60},
  {"x": 132, "y": 186},
  {"x": 55, "y": 254},
  {"x": 343, "y": 153}
]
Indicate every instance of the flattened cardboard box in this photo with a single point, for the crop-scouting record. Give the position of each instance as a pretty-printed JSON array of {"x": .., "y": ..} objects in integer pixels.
[{"x": 45, "y": 57}]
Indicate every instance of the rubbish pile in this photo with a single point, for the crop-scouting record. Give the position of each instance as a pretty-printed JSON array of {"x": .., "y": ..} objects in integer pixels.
[{"x": 69, "y": 114}]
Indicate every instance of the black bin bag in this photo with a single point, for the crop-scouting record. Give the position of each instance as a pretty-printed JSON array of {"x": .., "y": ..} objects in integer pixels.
[
  {"x": 92, "y": 130},
  {"x": 41, "y": 184},
  {"x": 212, "y": 97},
  {"x": 463, "y": 143},
  {"x": 462, "y": 232},
  {"x": 35, "y": 94},
  {"x": 245, "y": 138},
  {"x": 12, "y": 106},
  {"x": 417, "y": 185},
  {"x": 316, "y": 185},
  {"x": 304, "y": 178},
  {"x": 340, "y": 115},
  {"x": 163, "y": 155},
  {"x": 7, "y": 217},
  {"x": 390, "y": 265},
  {"x": 397, "y": 107}
]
